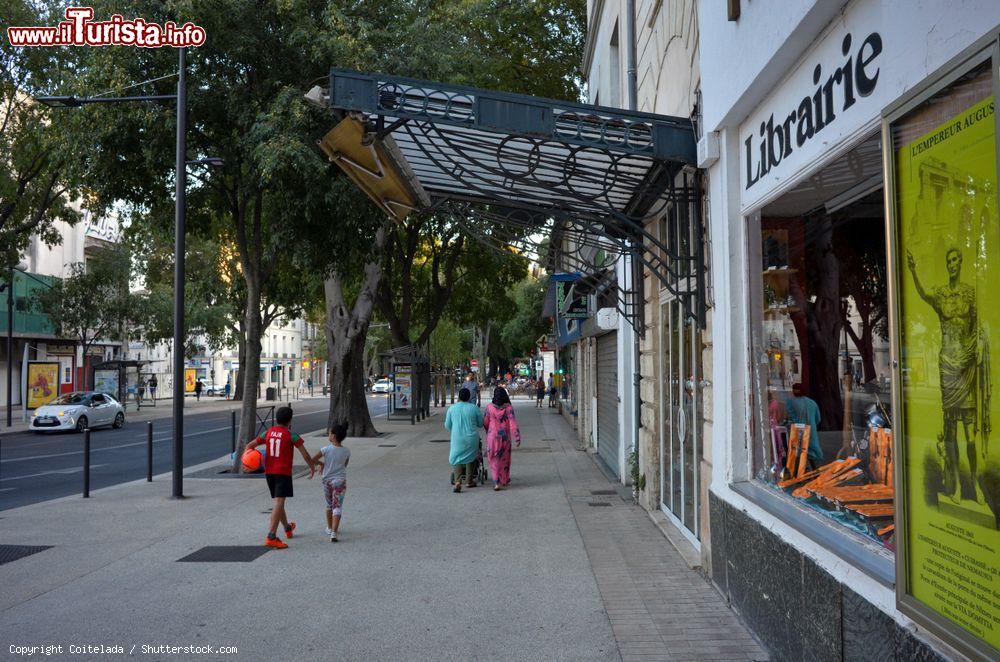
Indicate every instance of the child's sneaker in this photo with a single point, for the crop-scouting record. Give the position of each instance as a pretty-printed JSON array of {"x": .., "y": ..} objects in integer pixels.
[
  {"x": 289, "y": 529},
  {"x": 329, "y": 531},
  {"x": 333, "y": 536},
  {"x": 276, "y": 543}
]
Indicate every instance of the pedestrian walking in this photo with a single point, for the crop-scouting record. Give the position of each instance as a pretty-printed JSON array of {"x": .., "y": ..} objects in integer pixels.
[
  {"x": 473, "y": 386},
  {"x": 153, "y": 383},
  {"x": 501, "y": 430},
  {"x": 132, "y": 392},
  {"x": 142, "y": 390},
  {"x": 464, "y": 420},
  {"x": 229, "y": 387},
  {"x": 280, "y": 441},
  {"x": 539, "y": 393},
  {"x": 333, "y": 458},
  {"x": 552, "y": 390},
  {"x": 309, "y": 382},
  {"x": 302, "y": 386},
  {"x": 198, "y": 386}
]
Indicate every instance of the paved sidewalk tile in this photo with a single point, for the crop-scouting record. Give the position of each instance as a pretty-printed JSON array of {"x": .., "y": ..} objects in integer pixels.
[
  {"x": 529, "y": 573},
  {"x": 658, "y": 607}
]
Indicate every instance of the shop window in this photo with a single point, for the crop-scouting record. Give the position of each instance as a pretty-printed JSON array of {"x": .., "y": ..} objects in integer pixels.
[{"x": 823, "y": 379}]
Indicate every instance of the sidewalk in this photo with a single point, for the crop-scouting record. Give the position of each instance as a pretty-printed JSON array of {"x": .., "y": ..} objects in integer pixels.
[
  {"x": 532, "y": 573},
  {"x": 163, "y": 407}
]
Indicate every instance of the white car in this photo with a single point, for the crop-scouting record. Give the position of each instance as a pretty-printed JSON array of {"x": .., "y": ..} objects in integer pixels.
[
  {"x": 78, "y": 411},
  {"x": 382, "y": 386}
]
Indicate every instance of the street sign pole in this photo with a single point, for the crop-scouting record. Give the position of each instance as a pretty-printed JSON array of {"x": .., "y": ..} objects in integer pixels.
[
  {"x": 180, "y": 191},
  {"x": 10, "y": 348}
]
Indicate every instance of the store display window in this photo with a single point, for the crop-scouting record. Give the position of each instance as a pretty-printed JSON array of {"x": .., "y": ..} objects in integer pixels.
[{"x": 822, "y": 374}]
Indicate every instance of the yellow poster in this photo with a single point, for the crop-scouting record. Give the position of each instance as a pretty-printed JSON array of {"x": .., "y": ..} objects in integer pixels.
[
  {"x": 949, "y": 256},
  {"x": 43, "y": 383},
  {"x": 190, "y": 377}
]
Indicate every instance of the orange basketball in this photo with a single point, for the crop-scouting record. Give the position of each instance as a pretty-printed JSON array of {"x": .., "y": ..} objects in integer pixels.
[{"x": 253, "y": 461}]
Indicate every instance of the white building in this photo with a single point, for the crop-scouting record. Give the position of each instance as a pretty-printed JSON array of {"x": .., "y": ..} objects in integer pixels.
[
  {"x": 838, "y": 138},
  {"x": 35, "y": 339},
  {"x": 801, "y": 108},
  {"x": 287, "y": 356}
]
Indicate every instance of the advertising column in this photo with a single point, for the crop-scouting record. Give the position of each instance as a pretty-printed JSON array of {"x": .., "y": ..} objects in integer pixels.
[
  {"x": 947, "y": 256},
  {"x": 402, "y": 385}
]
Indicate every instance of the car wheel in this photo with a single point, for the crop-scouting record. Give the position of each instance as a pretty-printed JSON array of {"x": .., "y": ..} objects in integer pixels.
[
  {"x": 82, "y": 424},
  {"x": 119, "y": 421}
]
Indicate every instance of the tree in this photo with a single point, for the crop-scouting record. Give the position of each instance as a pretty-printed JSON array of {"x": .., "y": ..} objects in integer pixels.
[
  {"x": 238, "y": 86},
  {"x": 35, "y": 181},
  {"x": 246, "y": 106},
  {"x": 449, "y": 345},
  {"x": 523, "y": 329},
  {"x": 863, "y": 279},
  {"x": 94, "y": 301},
  {"x": 421, "y": 265}
]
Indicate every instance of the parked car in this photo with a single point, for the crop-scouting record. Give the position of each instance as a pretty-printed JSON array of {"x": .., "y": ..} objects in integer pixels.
[
  {"x": 382, "y": 386},
  {"x": 208, "y": 387},
  {"x": 78, "y": 411}
]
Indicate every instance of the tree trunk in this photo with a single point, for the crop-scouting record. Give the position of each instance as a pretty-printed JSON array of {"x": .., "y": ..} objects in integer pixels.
[
  {"x": 346, "y": 331},
  {"x": 825, "y": 329},
  {"x": 339, "y": 386},
  {"x": 867, "y": 350},
  {"x": 360, "y": 424},
  {"x": 251, "y": 370},
  {"x": 865, "y": 344},
  {"x": 241, "y": 354},
  {"x": 482, "y": 354}
]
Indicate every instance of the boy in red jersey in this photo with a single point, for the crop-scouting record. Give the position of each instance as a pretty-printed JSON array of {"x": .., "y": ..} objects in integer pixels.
[{"x": 278, "y": 470}]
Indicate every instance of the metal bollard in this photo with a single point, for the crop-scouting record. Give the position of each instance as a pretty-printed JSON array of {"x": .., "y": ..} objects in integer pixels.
[
  {"x": 233, "y": 431},
  {"x": 86, "y": 463},
  {"x": 149, "y": 451}
]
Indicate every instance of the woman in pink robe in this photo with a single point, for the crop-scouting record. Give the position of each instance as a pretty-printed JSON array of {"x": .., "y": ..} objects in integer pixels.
[{"x": 501, "y": 430}]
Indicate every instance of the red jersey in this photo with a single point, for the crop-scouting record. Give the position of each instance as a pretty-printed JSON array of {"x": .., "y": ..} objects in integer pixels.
[{"x": 280, "y": 443}]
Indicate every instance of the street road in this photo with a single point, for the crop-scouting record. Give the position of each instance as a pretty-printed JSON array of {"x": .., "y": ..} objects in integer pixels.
[{"x": 38, "y": 467}]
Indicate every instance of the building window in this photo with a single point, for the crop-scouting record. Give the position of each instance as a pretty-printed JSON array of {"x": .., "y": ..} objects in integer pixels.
[
  {"x": 614, "y": 70},
  {"x": 822, "y": 376}
]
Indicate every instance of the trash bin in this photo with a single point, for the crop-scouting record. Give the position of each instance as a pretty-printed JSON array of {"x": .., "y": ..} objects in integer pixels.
[{"x": 271, "y": 394}]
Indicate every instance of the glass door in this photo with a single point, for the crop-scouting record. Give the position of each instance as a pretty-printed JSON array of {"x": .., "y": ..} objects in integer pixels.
[{"x": 680, "y": 416}]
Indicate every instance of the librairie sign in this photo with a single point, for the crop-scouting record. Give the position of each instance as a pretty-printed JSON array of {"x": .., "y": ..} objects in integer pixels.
[
  {"x": 777, "y": 138},
  {"x": 835, "y": 91}
]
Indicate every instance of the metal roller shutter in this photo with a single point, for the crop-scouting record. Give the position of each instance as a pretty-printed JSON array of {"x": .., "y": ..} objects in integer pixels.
[{"x": 608, "y": 441}]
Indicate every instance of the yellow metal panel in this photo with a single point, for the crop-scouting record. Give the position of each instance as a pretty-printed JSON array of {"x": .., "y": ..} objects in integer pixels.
[{"x": 369, "y": 166}]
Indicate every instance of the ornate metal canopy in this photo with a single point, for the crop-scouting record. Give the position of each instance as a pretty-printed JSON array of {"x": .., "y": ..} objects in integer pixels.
[{"x": 519, "y": 172}]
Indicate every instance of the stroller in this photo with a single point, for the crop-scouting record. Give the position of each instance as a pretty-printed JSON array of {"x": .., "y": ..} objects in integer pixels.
[{"x": 481, "y": 475}]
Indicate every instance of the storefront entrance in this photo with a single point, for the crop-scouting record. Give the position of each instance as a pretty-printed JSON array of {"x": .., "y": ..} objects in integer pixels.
[
  {"x": 680, "y": 417},
  {"x": 608, "y": 439}
]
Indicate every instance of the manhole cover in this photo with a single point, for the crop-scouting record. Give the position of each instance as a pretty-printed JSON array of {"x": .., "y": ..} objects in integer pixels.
[
  {"x": 439, "y": 441},
  {"x": 225, "y": 554},
  {"x": 599, "y": 504},
  {"x": 387, "y": 445},
  {"x": 603, "y": 492},
  {"x": 10, "y": 553}
]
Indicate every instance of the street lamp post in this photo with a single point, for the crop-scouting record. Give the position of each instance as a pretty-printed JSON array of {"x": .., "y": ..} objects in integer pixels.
[
  {"x": 180, "y": 191},
  {"x": 10, "y": 348}
]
